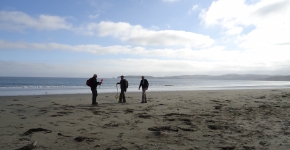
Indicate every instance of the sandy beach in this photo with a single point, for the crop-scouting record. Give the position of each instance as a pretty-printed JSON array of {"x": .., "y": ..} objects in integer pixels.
[{"x": 223, "y": 119}]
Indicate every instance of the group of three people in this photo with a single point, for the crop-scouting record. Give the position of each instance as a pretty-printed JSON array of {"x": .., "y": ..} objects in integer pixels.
[{"x": 123, "y": 85}]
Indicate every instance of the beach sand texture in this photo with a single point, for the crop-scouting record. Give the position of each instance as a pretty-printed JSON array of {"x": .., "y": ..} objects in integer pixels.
[{"x": 223, "y": 119}]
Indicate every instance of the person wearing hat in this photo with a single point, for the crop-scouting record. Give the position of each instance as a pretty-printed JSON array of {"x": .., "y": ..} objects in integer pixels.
[
  {"x": 123, "y": 85},
  {"x": 93, "y": 84}
]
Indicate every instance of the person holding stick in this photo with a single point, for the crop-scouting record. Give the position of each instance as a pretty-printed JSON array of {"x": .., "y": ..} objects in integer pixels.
[{"x": 93, "y": 83}]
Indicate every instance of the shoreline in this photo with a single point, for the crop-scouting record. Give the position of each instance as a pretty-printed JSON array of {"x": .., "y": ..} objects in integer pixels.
[
  {"x": 204, "y": 119},
  {"x": 168, "y": 90}
]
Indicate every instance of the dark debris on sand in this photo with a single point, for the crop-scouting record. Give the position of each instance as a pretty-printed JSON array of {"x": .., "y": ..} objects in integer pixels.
[
  {"x": 119, "y": 148},
  {"x": 144, "y": 115},
  {"x": 228, "y": 148},
  {"x": 112, "y": 124},
  {"x": 60, "y": 134},
  {"x": 177, "y": 114},
  {"x": 129, "y": 111},
  {"x": 82, "y": 138},
  {"x": 31, "y": 131},
  {"x": 163, "y": 128}
]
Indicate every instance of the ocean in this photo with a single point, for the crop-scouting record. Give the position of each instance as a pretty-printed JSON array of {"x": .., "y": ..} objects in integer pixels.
[{"x": 13, "y": 86}]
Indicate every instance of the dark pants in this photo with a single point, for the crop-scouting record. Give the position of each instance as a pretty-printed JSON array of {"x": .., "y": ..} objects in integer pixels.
[
  {"x": 94, "y": 97},
  {"x": 122, "y": 96}
]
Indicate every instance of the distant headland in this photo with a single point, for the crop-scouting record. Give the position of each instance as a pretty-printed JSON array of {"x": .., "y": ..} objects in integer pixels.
[{"x": 221, "y": 77}]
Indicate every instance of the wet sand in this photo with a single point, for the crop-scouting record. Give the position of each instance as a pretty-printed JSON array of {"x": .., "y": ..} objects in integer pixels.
[{"x": 224, "y": 119}]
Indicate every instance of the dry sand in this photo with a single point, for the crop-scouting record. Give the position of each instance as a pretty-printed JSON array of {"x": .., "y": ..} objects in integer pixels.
[{"x": 226, "y": 120}]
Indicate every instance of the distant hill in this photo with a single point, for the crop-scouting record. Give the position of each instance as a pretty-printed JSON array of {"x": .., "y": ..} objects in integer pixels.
[
  {"x": 222, "y": 77},
  {"x": 136, "y": 76},
  {"x": 278, "y": 78}
]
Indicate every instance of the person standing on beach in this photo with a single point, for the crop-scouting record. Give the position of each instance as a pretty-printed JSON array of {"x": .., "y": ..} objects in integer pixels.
[
  {"x": 123, "y": 85},
  {"x": 93, "y": 84},
  {"x": 145, "y": 84}
]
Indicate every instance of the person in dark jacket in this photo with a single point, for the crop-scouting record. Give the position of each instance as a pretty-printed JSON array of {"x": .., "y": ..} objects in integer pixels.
[
  {"x": 145, "y": 84},
  {"x": 123, "y": 86},
  {"x": 93, "y": 84}
]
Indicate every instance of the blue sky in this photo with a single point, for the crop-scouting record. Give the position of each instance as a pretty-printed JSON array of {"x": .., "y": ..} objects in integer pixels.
[{"x": 77, "y": 38}]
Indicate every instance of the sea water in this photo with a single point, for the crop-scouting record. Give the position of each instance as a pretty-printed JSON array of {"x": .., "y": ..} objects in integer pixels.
[{"x": 11, "y": 86}]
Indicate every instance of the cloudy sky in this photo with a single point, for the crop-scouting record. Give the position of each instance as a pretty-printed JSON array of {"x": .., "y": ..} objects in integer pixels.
[{"x": 77, "y": 38}]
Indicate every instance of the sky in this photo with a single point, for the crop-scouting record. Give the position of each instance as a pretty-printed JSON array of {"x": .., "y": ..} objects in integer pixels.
[{"x": 79, "y": 38}]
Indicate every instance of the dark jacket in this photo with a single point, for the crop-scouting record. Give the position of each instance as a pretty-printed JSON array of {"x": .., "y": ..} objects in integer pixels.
[
  {"x": 94, "y": 83},
  {"x": 123, "y": 85},
  {"x": 145, "y": 84}
]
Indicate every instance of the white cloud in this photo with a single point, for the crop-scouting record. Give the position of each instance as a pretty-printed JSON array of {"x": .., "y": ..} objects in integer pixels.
[
  {"x": 226, "y": 13},
  {"x": 271, "y": 27},
  {"x": 258, "y": 57},
  {"x": 94, "y": 16},
  {"x": 229, "y": 14},
  {"x": 194, "y": 7},
  {"x": 154, "y": 27},
  {"x": 14, "y": 20},
  {"x": 136, "y": 34},
  {"x": 267, "y": 18},
  {"x": 234, "y": 31},
  {"x": 56, "y": 46},
  {"x": 215, "y": 53}
]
